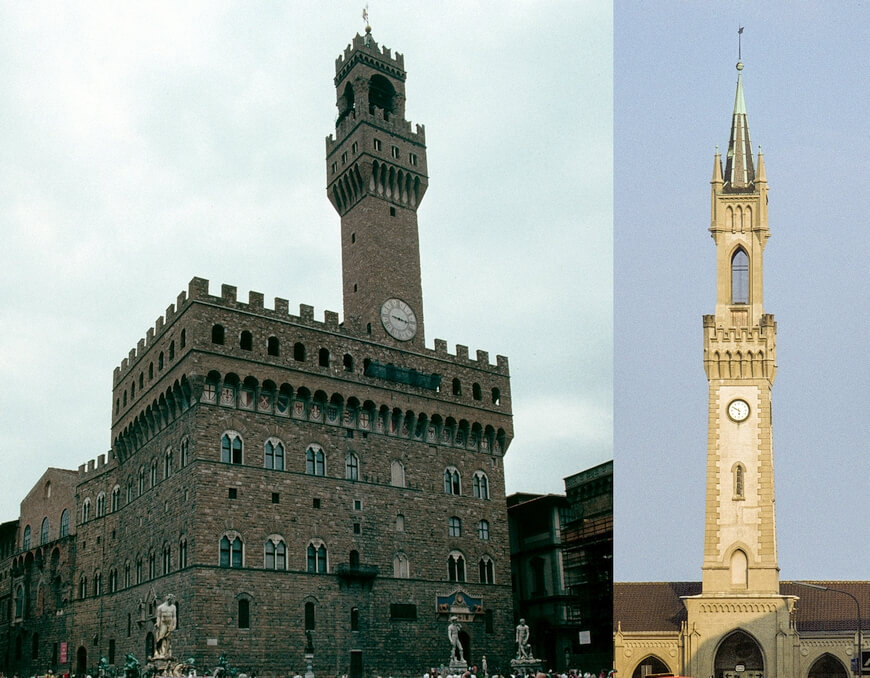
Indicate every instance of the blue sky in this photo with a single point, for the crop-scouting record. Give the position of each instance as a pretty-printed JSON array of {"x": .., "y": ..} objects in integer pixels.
[
  {"x": 144, "y": 144},
  {"x": 807, "y": 66}
]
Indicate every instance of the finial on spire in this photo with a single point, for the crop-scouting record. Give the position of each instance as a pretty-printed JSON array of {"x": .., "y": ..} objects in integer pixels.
[
  {"x": 739, "y": 46},
  {"x": 365, "y": 16}
]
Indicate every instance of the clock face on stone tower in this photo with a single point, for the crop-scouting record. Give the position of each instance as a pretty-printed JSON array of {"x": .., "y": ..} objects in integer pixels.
[
  {"x": 738, "y": 410},
  {"x": 398, "y": 319}
]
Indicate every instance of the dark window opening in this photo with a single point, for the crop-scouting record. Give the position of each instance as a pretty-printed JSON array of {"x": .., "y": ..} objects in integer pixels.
[
  {"x": 246, "y": 341},
  {"x": 244, "y": 614},
  {"x": 183, "y": 338},
  {"x": 316, "y": 502},
  {"x": 299, "y": 351},
  {"x": 323, "y": 357},
  {"x": 273, "y": 347},
  {"x": 232, "y": 493},
  {"x": 354, "y": 619},
  {"x": 476, "y": 391},
  {"x": 276, "y": 498},
  {"x": 392, "y": 211},
  {"x": 496, "y": 397},
  {"x": 309, "y": 616},
  {"x": 406, "y": 611},
  {"x": 457, "y": 387},
  {"x": 217, "y": 334}
]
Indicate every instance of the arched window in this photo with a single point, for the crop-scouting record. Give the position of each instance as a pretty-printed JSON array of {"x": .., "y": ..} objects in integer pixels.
[
  {"x": 19, "y": 601},
  {"x": 309, "y": 616},
  {"x": 486, "y": 570},
  {"x": 299, "y": 352},
  {"x": 217, "y": 334},
  {"x": 397, "y": 474},
  {"x": 317, "y": 557},
  {"x": 116, "y": 498},
  {"x": 141, "y": 480},
  {"x": 98, "y": 583},
  {"x": 183, "y": 338},
  {"x": 275, "y": 556},
  {"x": 168, "y": 460},
  {"x": 86, "y": 510},
  {"x": 64, "y": 523},
  {"x": 456, "y": 566},
  {"x": 182, "y": 553},
  {"x": 246, "y": 341},
  {"x": 167, "y": 559},
  {"x": 323, "y": 357},
  {"x": 476, "y": 391},
  {"x": 244, "y": 613},
  {"x": 740, "y": 277},
  {"x": 480, "y": 485},
  {"x": 401, "y": 566},
  {"x": 454, "y": 527},
  {"x": 153, "y": 473},
  {"x": 273, "y": 454},
  {"x": 83, "y": 587},
  {"x": 160, "y": 361},
  {"x": 140, "y": 570},
  {"x": 185, "y": 452},
  {"x": 231, "y": 448},
  {"x": 354, "y": 619},
  {"x": 451, "y": 481},
  {"x": 351, "y": 466},
  {"x": 43, "y": 531},
  {"x": 348, "y": 362},
  {"x": 231, "y": 551},
  {"x": 739, "y": 570},
  {"x": 101, "y": 504},
  {"x": 400, "y": 523},
  {"x": 113, "y": 580},
  {"x": 172, "y": 350},
  {"x": 496, "y": 396},
  {"x": 150, "y": 371},
  {"x": 739, "y": 481},
  {"x": 457, "y": 387},
  {"x": 483, "y": 530},
  {"x": 315, "y": 464},
  {"x": 127, "y": 574},
  {"x": 273, "y": 346},
  {"x": 25, "y": 539}
]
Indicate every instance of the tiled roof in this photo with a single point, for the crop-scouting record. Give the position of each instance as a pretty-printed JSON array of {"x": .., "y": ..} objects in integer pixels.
[{"x": 656, "y": 606}]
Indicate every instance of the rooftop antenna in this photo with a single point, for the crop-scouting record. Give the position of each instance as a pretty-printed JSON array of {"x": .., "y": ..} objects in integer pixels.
[{"x": 739, "y": 46}]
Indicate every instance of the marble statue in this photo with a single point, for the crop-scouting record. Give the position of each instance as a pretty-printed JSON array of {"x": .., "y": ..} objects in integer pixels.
[
  {"x": 165, "y": 621},
  {"x": 453, "y": 634},
  {"x": 524, "y": 650}
]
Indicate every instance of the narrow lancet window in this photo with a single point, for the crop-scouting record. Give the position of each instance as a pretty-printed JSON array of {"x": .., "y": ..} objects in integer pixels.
[{"x": 740, "y": 277}]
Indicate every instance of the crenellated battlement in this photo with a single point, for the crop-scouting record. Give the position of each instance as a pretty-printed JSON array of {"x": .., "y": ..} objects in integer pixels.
[
  {"x": 740, "y": 334},
  {"x": 398, "y": 126},
  {"x": 98, "y": 466},
  {"x": 366, "y": 48},
  {"x": 198, "y": 292}
]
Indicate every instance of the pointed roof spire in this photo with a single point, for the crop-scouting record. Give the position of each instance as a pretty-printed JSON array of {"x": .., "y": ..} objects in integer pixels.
[{"x": 739, "y": 169}]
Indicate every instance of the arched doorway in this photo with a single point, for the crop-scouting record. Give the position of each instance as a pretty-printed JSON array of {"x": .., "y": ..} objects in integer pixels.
[
  {"x": 465, "y": 640},
  {"x": 649, "y": 665},
  {"x": 739, "y": 650},
  {"x": 82, "y": 661},
  {"x": 827, "y": 666}
]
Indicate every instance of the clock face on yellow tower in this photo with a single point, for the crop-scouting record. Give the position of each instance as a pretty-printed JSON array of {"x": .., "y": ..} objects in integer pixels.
[
  {"x": 738, "y": 410},
  {"x": 398, "y": 319}
]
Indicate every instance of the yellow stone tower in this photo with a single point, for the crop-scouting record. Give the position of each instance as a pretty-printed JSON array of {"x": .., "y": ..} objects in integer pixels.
[{"x": 740, "y": 624}]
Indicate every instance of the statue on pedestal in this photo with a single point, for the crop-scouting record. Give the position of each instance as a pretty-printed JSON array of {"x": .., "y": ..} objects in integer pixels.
[
  {"x": 165, "y": 621},
  {"x": 524, "y": 650},
  {"x": 453, "y": 630}
]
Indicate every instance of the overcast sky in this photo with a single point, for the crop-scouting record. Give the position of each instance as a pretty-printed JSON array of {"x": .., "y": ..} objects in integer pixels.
[
  {"x": 807, "y": 66},
  {"x": 147, "y": 143}
]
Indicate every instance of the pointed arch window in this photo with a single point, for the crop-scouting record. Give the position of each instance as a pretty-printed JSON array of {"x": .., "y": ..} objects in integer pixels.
[
  {"x": 44, "y": 530},
  {"x": 486, "y": 570},
  {"x": 316, "y": 555},
  {"x": 456, "y": 566},
  {"x": 25, "y": 541},
  {"x": 739, "y": 569},
  {"x": 230, "y": 551},
  {"x": 480, "y": 485},
  {"x": 401, "y": 566},
  {"x": 739, "y": 481},
  {"x": 314, "y": 461},
  {"x": 740, "y": 277},
  {"x": 231, "y": 448},
  {"x": 275, "y": 557},
  {"x": 351, "y": 466},
  {"x": 274, "y": 455},
  {"x": 452, "y": 483},
  {"x": 64, "y": 523}
]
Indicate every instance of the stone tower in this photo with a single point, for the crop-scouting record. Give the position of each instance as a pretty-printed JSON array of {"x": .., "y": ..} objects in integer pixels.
[
  {"x": 739, "y": 624},
  {"x": 376, "y": 178},
  {"x": 740, "y": 362}
]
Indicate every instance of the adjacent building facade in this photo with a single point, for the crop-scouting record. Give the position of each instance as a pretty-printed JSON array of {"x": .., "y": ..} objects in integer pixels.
[
  {"x": 562, "y": 569},
  {"x": 288, "y": 479},
  {"x": 740, "y": 620}
]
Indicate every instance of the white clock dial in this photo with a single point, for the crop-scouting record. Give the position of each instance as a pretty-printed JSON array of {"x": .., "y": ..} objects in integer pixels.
[
  {"x": 398, "y": 319},
  {"x": 738, "y": 409}
]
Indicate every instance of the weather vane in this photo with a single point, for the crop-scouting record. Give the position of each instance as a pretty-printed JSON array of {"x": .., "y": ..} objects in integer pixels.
[
  {"x": 365, "y": 16},
  {"x": 739, "y": 46}
]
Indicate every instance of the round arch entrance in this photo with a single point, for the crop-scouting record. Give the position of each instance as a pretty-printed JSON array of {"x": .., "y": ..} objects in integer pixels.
[
  {"x": 739, "y": 650},
  {"x": 81, "y": 661},
  {"x": 650, "y": 665},
  {"x": 827, "y": 666},
  {"x": 465, "y": 641}
]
